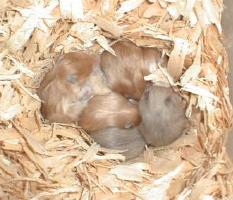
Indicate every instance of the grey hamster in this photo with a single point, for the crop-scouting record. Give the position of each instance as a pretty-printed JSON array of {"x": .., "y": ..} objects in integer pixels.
[{"x": 163, "y": 116}]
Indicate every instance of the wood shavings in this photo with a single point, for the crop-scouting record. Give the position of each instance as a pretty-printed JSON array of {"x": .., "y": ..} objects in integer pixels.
[
  {"x": 208, "y": 197},
  {"x": 164, "y": 4},
  {"x": 56, "y": 192},
  {"x": 194, "y": 70},
  {"x": 129, "y": 5},
  {"x": 130, "y": 172},
  {"x": 33, "y": 20},
  {"x": 110, "y": 181},
  {"x": 199, "y": 91},
  {"x": 7, "y": 110},
  {"x": 72, "y": 9},
  {"x": 190, "y": 74},
  {"x": 158, "y": 189},
  {"x": 35, "y": 145},
  {"x": 4, "y": 33},
  {"x": 209, "y": 73},
  {"x": 177, "y": 57},
  {"x": 9, "y": 77},
  {"x": 23, "y": 3},
  {"x": 169, "y": 1},
  {"x": 84, "y": 31},
  {"x": 60, "y": 161},
  {"x": 108, "y": 7},
  {"x": 21, "y": 67},
  {"x": 110, "y": 156},
  {"x": 195, "y": 34},
  {"x": 184, "y": 195},
  {"x": 158, "y": 78},
  {"x": 92, "y": 151},
  {"x": 7, "y": 166},
  {"x": 196, "y": 159},
  {"x": 104, "y": 43},
  {"x": 3, "y": 5},
  {"x": 203, "y": 188},
  {"x": 108, "y": 26},
  {"x": 173, "y": 12},
  {"x": 154, "y": 10},
  {"x": 186, "y": 9},
  {"x": 202, "y": 18},
  {"x": 88, "y": 33},
  {"x": 189, "y": 12},
  {"x": 205, "y": 99},
  {"x": 208, "y": 12},
  {"x": 34, "y": 96},
  {"x": 212, "y": 13}
]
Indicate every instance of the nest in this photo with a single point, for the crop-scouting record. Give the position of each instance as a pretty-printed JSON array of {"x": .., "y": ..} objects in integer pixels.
[{"x": 60, "y": 161}]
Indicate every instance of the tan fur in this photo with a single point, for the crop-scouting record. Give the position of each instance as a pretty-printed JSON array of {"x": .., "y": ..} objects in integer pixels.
[
  {"x": 78, "y": 64},
  {"x": 121, "y": 139},
  {"x": 125, "y": 72},
  {"x": 163, "y": 116},
  {"x": 110, "y": 110},
  {"x": 65, "y": 90}
]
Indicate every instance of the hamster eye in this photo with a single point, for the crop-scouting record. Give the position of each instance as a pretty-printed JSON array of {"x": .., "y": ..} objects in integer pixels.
[
  {"x": 72, "y": 78},
  {"x": 168, "y": 100},
  {"x": 173, "y": 101}
]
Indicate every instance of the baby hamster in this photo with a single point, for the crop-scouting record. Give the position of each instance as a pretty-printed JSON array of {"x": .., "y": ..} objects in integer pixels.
[
  {"x": 163, "y": 116},
  {"x": 65, "y": 89},
  {"x": 109, "y": 110},
  {"x": 125, "y": 72}
]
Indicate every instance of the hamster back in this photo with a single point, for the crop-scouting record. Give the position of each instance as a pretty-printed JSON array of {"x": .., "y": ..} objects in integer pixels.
[
  {"x": 121, "y": 139},
  {"x": 109, "y": 110}
]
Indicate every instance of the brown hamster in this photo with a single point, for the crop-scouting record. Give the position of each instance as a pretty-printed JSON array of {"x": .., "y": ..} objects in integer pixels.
[
  {"x": 125, "y": 72},
  {"x": 110, "y": 110},
  {"x": 66, "y": 89},
  {"x": 163, "y": 116},
  {"x": 121, "y": 139}
]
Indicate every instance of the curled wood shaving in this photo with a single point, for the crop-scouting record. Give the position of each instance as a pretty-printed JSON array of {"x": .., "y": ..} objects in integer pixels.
[{"x": 177, "y": 57}]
